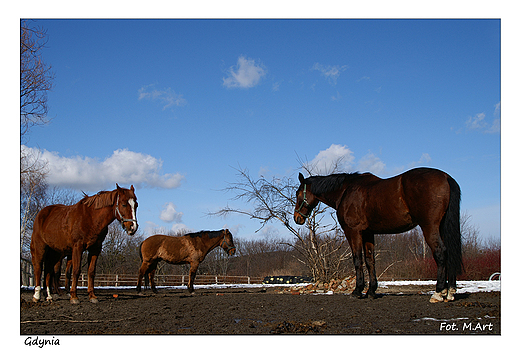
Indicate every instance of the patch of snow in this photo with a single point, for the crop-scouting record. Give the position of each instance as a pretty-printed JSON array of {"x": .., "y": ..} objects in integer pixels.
[{"x": 462, "y": 286}]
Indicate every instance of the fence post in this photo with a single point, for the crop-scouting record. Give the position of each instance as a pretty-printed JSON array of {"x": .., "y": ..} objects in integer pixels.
[
  {"x": 248, "y": 280},
  {"x": 117, "y": 279}
]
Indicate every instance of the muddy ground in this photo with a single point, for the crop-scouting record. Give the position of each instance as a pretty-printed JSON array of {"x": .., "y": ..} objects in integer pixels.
[{"x": 397, "y": 310}]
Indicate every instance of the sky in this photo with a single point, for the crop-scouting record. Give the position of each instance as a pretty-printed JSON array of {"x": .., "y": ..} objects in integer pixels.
[{"x": 174, "y": 107}]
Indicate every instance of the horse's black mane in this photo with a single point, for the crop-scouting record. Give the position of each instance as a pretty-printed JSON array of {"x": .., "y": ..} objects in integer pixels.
[
  {"x": 330, "y": 183},
  {"x": 211, "y": 234}
]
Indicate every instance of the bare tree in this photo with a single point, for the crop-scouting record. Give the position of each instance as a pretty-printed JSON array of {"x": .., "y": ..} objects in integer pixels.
[
  {"x": 35, "y": 77},
  {"x": 120, "y": 253},
  {"x": 35, "y": 80},
  {"x": 32, "y": 195},
  {"x": 322, "y": 249}
]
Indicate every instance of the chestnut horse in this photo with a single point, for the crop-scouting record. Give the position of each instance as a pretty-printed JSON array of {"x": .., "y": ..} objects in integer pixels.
[
  {"x": 366, "y": 205},
  {"x": 68, "y": 230},
  {"x": 190, "y": 249}
]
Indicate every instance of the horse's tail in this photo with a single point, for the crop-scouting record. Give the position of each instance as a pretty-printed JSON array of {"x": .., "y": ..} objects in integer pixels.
[{"x": 450, "y": 231}]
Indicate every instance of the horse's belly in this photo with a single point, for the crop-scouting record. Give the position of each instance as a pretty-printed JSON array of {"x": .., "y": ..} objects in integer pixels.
[
  {"x": 392, "y": 230},
  {"x": 390, "y": 223}
]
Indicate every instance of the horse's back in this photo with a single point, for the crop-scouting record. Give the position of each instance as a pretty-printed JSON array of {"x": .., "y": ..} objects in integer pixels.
[
  {"x": 49, "y": 223},
  {"x": 425, "y": 183},
  {"x": 168, "y": 248}
]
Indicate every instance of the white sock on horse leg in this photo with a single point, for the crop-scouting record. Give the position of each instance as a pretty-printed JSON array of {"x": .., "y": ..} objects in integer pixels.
[{"x": 37, "y": 290}]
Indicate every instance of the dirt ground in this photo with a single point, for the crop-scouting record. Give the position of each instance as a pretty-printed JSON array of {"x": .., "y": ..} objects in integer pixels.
[{"x": 397, "y": 310}]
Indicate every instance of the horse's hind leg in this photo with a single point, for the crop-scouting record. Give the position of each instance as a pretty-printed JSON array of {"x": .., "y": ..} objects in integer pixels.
[
  {"x": 152, "y": 280},
  {"x": 438, "y": 248},
  {"x": 52, "y": 259},
  {"x": 144, "y": 270},
  {"x": 37, "y": 255},
  {"x": 56, "y": 276}
]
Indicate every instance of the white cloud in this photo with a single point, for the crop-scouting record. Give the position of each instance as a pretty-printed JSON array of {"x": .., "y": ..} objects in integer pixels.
[
  {"x": 495, "y": 127},
  {"x": 339, "y": 158},
  {"x": 89, "y": 174},
  {"x": 336, "y": 158},
  {"x": 167, "y": 97},
  {"x": 371, "y": 163},
  {"x": 170, "y": 214},
  {"x": 330, "y": 72},
  {"x": 246, "y": 74},
  {"x": 181, "y": 229},
  {"x": 478, "y": 122}
]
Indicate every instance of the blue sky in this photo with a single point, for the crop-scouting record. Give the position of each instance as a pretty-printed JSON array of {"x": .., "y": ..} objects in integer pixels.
[{"x": 173, "y": 106}]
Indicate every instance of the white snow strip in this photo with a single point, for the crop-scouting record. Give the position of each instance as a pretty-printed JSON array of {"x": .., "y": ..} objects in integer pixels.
[{"x": 462, "y": 286}]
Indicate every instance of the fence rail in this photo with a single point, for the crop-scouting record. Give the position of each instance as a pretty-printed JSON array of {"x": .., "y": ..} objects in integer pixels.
[{"x": 118, "y": 280}]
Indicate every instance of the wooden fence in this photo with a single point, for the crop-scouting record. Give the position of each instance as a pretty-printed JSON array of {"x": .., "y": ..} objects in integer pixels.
[
  {"x": 118, "y": 280},
  {"x": 26, "y": 272}
]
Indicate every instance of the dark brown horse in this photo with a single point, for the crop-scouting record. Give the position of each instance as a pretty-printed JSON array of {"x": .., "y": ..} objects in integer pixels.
[
  {"x": 68, "y": 230},
  {"x": 188, "y": 249},
  {"x": 366, "y": 205}
]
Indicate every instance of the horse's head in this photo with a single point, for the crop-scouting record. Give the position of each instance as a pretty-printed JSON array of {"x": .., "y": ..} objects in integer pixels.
[
  {"x": 227, "y": 243},
  {"x": 126, "y": 209},
  {"x": 305, "y": 201}
]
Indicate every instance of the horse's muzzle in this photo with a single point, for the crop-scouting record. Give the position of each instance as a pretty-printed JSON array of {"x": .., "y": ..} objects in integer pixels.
[
  {"x": 130, "y": 227},
  {"x": 299, "y": 219}
]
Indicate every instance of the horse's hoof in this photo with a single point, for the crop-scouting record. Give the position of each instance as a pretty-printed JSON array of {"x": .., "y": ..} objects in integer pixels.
[
  {"x": 94, "y": 300},
  {"x": 436, "y": 298},
  {"x": 358, "y": 295},
  {"x": 35, "y": 300},
  {"x": 74, "y": 301},
  {"x": 451, "y": 294}
]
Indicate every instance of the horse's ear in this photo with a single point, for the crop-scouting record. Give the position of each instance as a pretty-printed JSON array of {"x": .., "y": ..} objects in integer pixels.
[
  {"x": 301, "y": 178},
  {"x": 132, "y": 188},
  {"x": 118, "y": 186}
]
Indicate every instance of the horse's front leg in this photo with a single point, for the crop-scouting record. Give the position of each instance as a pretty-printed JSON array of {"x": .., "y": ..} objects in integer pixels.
[
  {"x": 368, "y": 243},
  {"x": 193, "y": 272},
  {"x": 92, "y": 259},
  {"x": 356, "y": 245},
  {"x": 77, "y": 251}
]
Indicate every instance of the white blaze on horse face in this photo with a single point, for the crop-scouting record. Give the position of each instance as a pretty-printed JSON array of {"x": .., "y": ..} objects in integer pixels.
[{"x": 132, "y": 205}]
